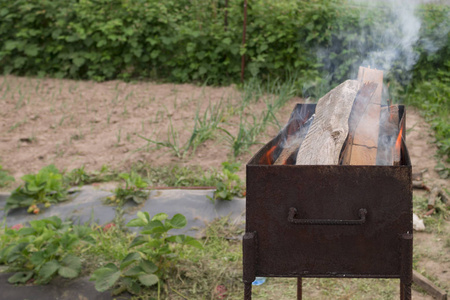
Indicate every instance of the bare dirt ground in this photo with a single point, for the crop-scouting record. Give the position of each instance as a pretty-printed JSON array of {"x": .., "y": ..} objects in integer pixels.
[{"x": 77, "y": 123}]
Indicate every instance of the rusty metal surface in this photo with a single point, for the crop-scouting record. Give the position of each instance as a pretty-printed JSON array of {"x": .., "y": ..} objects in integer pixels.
[
  {"x": 329, "y": 192},
  {"x": 373, "y": 248}
]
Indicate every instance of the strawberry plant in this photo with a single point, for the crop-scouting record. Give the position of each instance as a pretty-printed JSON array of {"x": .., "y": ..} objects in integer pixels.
[
  {"x": 151, "y": 256},
  {"x": 45, "y": 187},
  {"x": 132, "y": 191},
  {"x": 43, "y": 250},
  {"x": 230, "y": 185}
]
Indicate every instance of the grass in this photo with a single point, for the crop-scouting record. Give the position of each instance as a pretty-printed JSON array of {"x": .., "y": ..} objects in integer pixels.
[
  {"x": 431, "y": 97},
  {"x": 206, "y": 124},
  {"x": 172, "y": 143},
  {"x": 5, "y": 178},
  {"x": 177, "y": 175},
  {"x": 197, "y": 273},
  {"x": 80, "y": 176}
]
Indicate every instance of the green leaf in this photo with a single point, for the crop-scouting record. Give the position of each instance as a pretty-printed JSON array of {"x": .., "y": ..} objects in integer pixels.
[
  {"x": 47, "y": 270},
  {"x": 31, "y": 50},
  {"x": 105, "y": 277},
  {"x": 70, "y": 267},
  {"x": 192, "y": 242},
  {"x": 26, "y": 231},
  {"x": 154, "y": 227},
  {"x": 148, "y": 266},
  {"x": 144, "y": 216},
  {"x": 133, "y": 271},
  {"x": 136, "y": 223},
  {"x": 51, "y": 250},
  {"x": 139, "y": 240},
  {"x": 20, "y": 277},
  {"x": 133, "y": 287},
  {"x": 160, "y": 217},
  {"x": 37, "y": 258},
  {"x": 176, "y": 238},
  {"x": 79, "y": 61},
  {"x": 178, "y": 221},
  {"x": 148, "y": 279},
  {"x": 15, "y": 252},
  {"x": 129, "y": 259}
]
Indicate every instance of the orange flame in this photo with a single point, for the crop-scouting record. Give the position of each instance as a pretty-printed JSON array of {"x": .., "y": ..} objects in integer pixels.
[
  {"x": 398, "y": 148},
  {"x": 267, "y": 159},
  {"x": 398, "y": 143}
]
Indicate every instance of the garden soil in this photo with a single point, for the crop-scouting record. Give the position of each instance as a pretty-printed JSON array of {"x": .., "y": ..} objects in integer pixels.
[{"x": 83, "y": 123}]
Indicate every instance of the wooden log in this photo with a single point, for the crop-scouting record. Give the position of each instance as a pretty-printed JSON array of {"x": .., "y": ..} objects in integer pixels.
[
  {"x": 420, "y": 185},
  {"x": 429, "y": 286},
  {"x": 293, "y": 143},
  {"x": 359, "y": 105},
  {"x": 324, "y": 140},
  {"x": 365, "y": 140},
  {"x": 387, "y": 154}
]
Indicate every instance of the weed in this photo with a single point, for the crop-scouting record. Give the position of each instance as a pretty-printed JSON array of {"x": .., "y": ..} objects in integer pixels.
[
  {"x": 119, "y": 137},
  {"x": 246, "y": 136},
  {"x": 206, "y": 125},
  {"x": 442, "y": 170},
  {"x": 173, "y": 141},
  {"x": 80, "y": 176},
  {"x": 178, "y": 175},
  {"x": 17, "y": 125},
  {"x": 5, "y": 178},
  {"x": 78, "y": 136}
]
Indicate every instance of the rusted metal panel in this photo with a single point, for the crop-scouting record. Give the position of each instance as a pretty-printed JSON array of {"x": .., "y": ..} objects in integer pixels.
[{"x": 329, "y": 192}]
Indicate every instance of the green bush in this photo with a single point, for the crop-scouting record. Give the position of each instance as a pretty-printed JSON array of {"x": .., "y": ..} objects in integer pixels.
[{"x": 181, "y": 40}]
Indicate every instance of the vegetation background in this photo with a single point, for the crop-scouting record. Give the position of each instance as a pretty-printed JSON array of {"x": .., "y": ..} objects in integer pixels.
[{"x": 200, "y": 41}]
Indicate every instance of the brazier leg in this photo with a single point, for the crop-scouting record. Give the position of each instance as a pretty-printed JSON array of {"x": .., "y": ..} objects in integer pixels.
[
  {"x": 299, "y": 288},
  {"x": 248, "y": 291},
  {"x": 249, "y": 256},
  {"x": 406, "y": 266}
]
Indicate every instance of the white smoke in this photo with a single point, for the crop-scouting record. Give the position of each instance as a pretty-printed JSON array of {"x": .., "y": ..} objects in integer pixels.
[{"x": 397, "y": 39}]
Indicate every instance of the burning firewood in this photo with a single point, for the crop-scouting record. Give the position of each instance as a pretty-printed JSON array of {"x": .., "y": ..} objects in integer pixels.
[
  {"x": 292, "y": 144},
  {"x": 349, "y": 127},
  {"x": 324, "y": 140},
  {"x": 359, "y": 106},
  {"x": 365, "y": 139}
]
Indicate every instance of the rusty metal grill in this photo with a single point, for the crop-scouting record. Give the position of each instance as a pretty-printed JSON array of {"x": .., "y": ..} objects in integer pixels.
[{"x": 328, "y": 221}]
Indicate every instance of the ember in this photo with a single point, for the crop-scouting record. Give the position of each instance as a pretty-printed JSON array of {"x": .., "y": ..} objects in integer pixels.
[{"x": 267, "y": 159}]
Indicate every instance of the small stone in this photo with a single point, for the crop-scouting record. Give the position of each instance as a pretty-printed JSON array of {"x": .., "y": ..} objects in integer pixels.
[{"x": 418, "y": 224}]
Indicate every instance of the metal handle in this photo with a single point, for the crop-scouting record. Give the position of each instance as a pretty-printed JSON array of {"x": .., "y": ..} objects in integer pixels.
[{"x": 293, "y": 212}]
